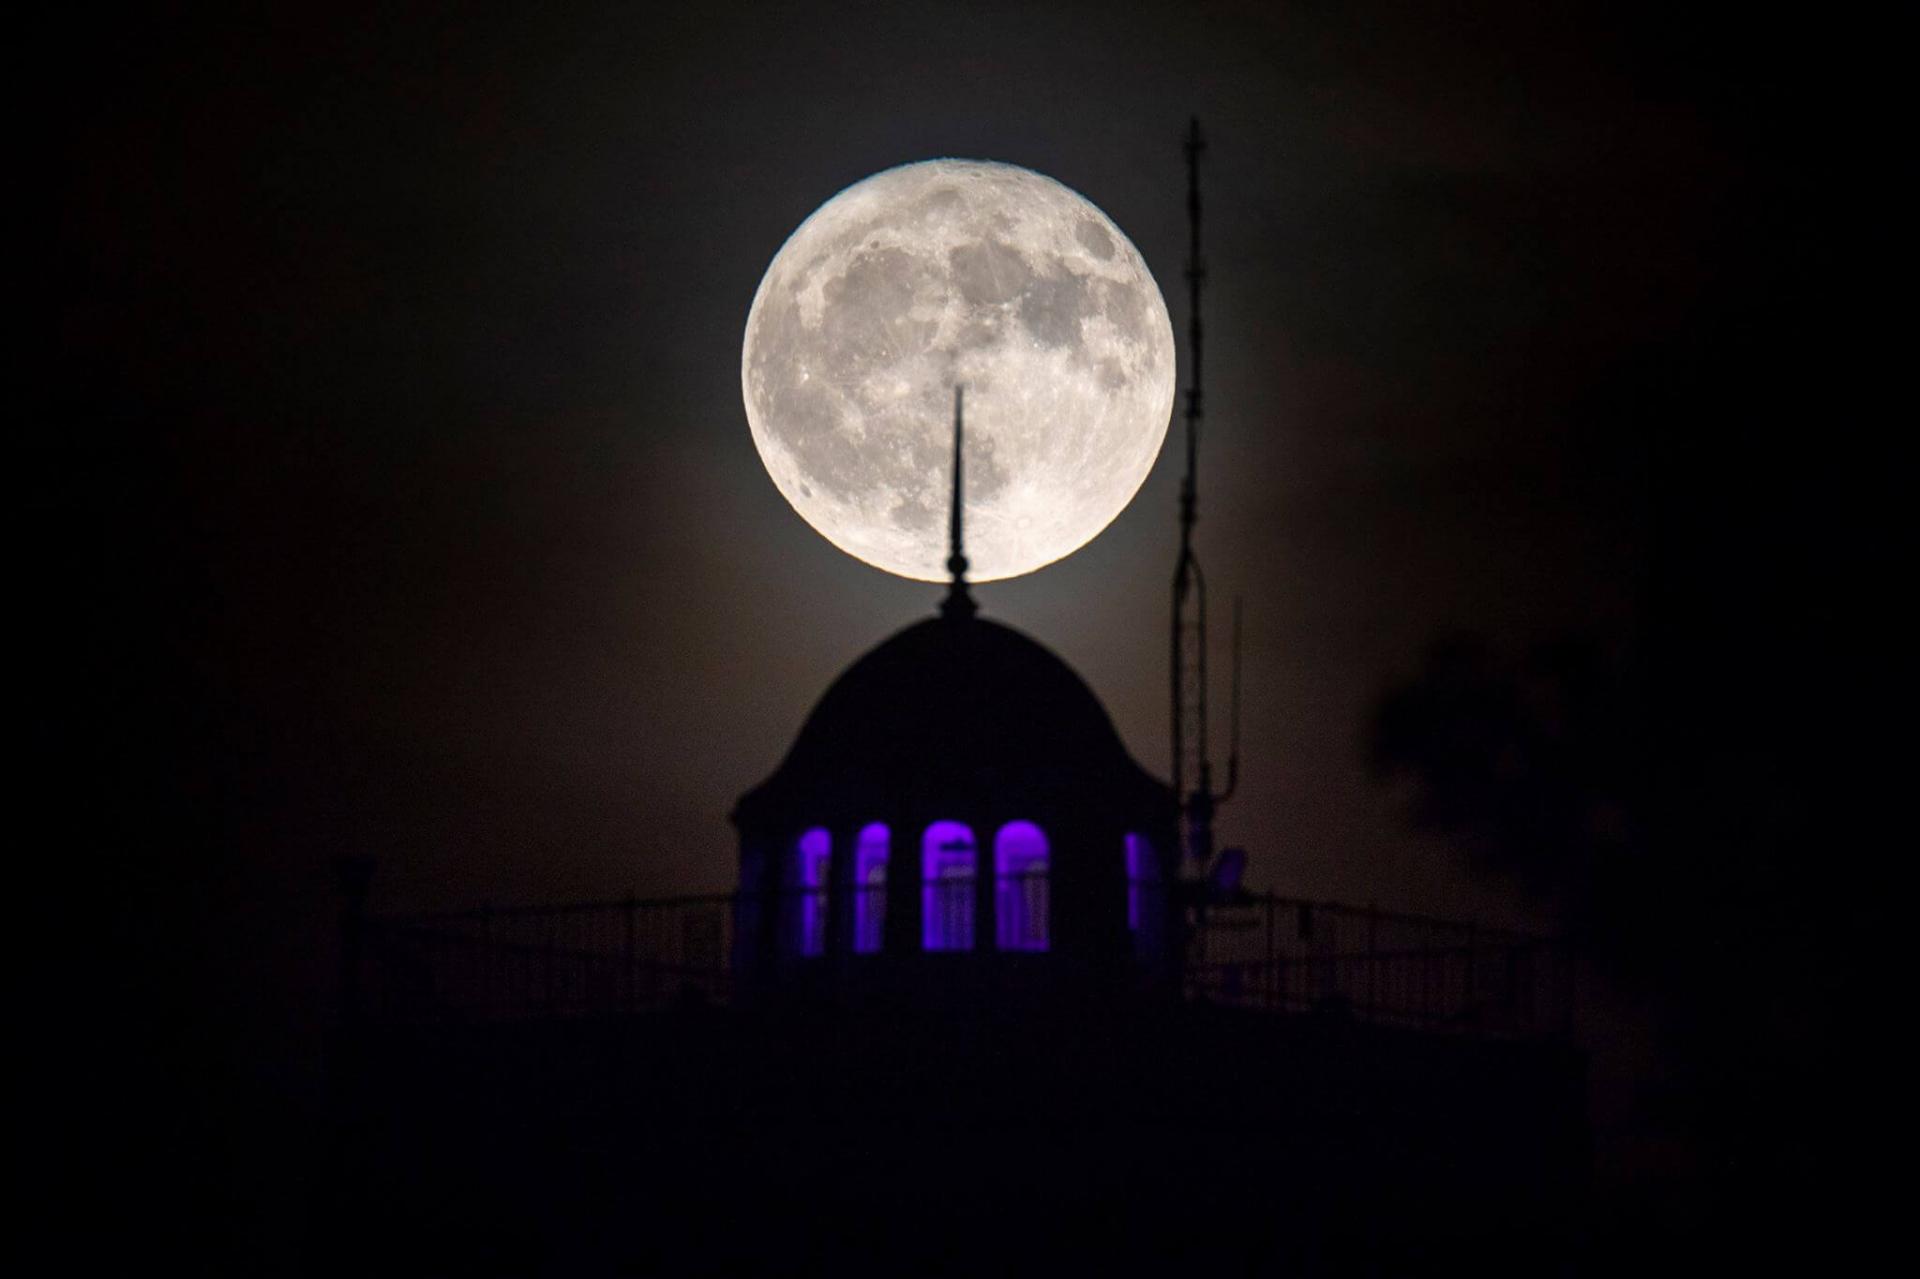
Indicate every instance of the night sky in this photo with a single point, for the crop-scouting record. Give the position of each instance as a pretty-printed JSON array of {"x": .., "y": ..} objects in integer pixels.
[{"x": 400, "y": 450}]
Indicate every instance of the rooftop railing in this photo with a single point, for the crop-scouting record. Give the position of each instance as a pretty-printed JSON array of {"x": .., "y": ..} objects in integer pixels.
[
  {"x": 1260, "y": 951},
  {"x": 1294, "y": 955},
  {"x": 581, "y": 958}
]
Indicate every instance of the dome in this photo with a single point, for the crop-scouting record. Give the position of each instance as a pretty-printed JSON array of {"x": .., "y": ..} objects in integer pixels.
[{"x": 951, "y": 710}]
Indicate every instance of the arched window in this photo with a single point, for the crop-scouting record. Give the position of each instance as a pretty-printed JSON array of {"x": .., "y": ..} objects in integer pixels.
[
  {"x": 870, "y": 888},
  {"x": 1020, "y": 887},
  {"x": 1141, "y": 871},
  {"x": 1145, "y": 905},
  {"x": 812, "y": 853},
  {"x": 947, "y": 867}
]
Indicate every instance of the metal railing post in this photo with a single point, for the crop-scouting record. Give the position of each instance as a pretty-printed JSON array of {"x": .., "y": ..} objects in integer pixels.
[
  {"x": 548, "y": 965},
  {"x": 1373, "y": 962},
  {"x": 1272, "y": 973},
  {"x": 1473, "y": 934},
  {"x": 489, "y": 964},
  {"x": 627, "y": 1000}
]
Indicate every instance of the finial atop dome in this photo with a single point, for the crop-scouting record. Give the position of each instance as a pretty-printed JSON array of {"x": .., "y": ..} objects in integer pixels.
[{"x": 959, "y": 604}]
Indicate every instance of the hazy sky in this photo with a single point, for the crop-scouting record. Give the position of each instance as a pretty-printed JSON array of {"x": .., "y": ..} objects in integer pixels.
[{"x": 401, "y": 358}]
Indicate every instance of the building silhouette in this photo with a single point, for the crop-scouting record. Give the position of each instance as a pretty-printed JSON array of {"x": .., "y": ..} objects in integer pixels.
[
  {"x": 957, "y": 807},
  {"x": 962, "y": 1013}
]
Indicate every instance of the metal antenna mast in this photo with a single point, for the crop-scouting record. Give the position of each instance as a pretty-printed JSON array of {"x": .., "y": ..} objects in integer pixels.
[{"x": 1192, "y": 762}]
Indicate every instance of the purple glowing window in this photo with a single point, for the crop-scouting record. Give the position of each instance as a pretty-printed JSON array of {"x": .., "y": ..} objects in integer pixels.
[
  {"x": 811, "y": 855},
  {"x": 946, "y": 896},
  {"x": 870, "y": 888},
  {"x": 1143, "y": 870},
  {"x": 1020, "y": 887}
]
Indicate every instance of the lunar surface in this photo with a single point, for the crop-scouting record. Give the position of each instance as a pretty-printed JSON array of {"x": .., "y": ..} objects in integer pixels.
[{"x": 958, "y": 271}]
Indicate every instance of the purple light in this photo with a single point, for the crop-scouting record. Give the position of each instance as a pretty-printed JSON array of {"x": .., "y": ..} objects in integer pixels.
[
  {"x": 1141, "y": 869},
  {"x": 947, "y": 860},
  {"x": 870, "y": 854},
  {"x": 812, "y": 853},
  {"x": 1020, "y": 861}
]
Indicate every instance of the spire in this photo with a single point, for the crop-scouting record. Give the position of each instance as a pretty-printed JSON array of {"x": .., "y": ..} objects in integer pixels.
[{"x": 958, "y": 605}]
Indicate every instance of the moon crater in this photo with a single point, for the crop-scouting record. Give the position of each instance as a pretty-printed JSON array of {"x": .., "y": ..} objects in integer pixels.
[{"x": 958, "y": 271}]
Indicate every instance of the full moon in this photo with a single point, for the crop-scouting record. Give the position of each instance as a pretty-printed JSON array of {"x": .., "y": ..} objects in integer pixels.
[{"x": 958, "y": 271}]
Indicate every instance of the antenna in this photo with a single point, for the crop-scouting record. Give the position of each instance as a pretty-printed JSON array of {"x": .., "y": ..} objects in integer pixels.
[
  {"x": 1192, "y": 757},
  {"x": 958, "y": 604},
  {"x": 1233, "y": 733}
]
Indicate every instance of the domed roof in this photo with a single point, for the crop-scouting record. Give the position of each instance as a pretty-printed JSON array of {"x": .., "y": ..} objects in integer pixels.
[{"x": 953, "y": 710}]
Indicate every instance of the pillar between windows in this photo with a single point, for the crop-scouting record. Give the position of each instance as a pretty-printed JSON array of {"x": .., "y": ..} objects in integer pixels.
[
  {"x": 901, "y": 933},
  {"x": 839, "y": 938},
  {"x": 986, "y": 884}
]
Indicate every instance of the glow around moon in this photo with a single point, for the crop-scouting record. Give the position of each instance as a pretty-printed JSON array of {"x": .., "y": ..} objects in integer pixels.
[{"x": 962, "y": 271}]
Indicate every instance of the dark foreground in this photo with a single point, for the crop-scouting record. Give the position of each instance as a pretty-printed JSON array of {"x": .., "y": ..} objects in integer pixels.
[{"x": 967, "y": 1141}]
